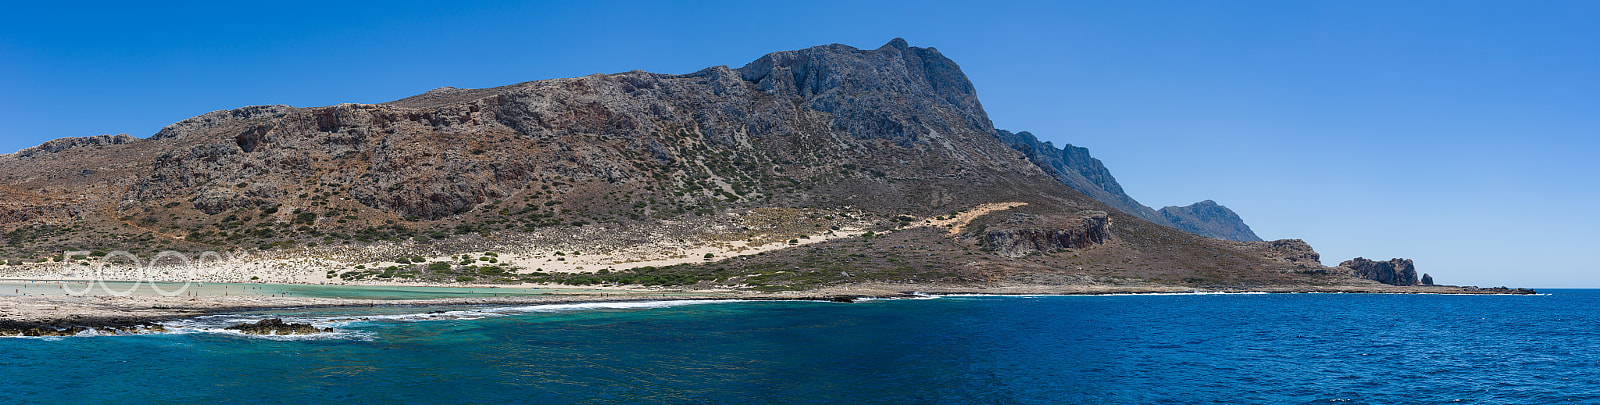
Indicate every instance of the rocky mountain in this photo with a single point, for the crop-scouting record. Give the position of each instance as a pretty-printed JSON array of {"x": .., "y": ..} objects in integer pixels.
[
  {"x": 1207, "y": 218},
  {"x": 805, "y": 168},
  {"x": 1074, "y": 167}
]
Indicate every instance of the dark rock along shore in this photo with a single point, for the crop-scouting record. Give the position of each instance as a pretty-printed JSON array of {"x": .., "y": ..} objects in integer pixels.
[
  {"x": 276, "y": 326},
  {"x": 74, "y": 326}
]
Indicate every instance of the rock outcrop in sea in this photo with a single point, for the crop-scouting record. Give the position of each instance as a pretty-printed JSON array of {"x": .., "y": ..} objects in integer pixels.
[{"x": 276, "y": 326}]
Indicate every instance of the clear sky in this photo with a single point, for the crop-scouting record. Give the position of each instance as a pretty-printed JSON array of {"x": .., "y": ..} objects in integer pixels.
[{"x": 1456, "y": 133}]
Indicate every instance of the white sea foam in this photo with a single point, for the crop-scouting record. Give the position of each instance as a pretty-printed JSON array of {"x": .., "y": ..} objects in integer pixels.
[
  {"x": 588, "y": 306},
  {"x": 492, "y": 312},
  {"x": 337, "y": 334},
  {"x": 1100, "y": 295},
  {"x": 342, "y": 324}
]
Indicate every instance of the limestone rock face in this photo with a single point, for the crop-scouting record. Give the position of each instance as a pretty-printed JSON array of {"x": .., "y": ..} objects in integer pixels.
[
  {"x": 1023, "y": 234},
  {"x": 1207, "y": 218},
  {"x": 1427, "y": 279},
  {"x": 220, "y": 118},
  {"x": 871, "y": 94},
  {"x": 1392, "y": 272}
]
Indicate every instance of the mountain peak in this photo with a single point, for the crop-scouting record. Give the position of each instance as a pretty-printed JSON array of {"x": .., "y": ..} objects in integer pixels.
[
  {"x": 897, "y": 43},
  {"x": 861, "y": 88},
  {"x": 1207, "y": 218}
]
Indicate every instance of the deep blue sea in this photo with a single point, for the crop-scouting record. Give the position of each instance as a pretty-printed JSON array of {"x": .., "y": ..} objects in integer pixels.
[{"x": 1243, "y": 348}]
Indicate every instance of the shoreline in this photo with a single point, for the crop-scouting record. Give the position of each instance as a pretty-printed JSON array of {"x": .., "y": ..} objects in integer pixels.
[{"x": 69, "y": 315}]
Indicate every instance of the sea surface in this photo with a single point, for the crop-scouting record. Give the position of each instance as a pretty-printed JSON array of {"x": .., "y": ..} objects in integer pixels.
[{"x": 1143, "y": 349}]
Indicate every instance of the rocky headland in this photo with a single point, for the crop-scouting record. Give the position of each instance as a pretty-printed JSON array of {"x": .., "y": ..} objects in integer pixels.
[
  {"x": 1393, "y": 271},
  {"x": 801, "y": 172}
]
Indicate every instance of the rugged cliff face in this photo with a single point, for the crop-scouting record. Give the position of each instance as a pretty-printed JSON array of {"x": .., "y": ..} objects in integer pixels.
[
  {"x": 1074, "y": 167},
  {"x": 1392, "y": 271},
  {"x": 1024, "y": 234}
]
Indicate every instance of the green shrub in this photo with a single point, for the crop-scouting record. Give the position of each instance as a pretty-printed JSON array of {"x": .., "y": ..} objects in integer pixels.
[{"x": 439, "y": 266}]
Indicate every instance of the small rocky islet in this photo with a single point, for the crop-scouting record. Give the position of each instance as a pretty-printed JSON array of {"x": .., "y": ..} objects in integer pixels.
[{"x": 276, "y": 326}]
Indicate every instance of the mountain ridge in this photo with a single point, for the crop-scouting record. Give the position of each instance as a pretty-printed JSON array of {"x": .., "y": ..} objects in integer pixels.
[
  {"x": 812, "y": 158},
  {"x": 1073, "y": 166}
]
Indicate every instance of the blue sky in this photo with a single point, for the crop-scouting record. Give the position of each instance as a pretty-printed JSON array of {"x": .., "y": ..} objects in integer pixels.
[{"x": 1455, "y": 133}]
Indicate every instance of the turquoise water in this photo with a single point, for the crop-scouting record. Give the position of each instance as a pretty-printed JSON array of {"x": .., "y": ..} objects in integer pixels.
[
  {"x": 1258, "y": 348},
  {"x": 375, "y": 292}
]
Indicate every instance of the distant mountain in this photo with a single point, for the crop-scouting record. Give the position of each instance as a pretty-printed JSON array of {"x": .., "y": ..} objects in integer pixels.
[
  {"x": 1074, "y": 167},
  {"x": 1209, "y": 219}
]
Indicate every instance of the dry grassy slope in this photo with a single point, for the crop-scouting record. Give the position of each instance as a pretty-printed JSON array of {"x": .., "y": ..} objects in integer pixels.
[{"x": 886, "y": 132}]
